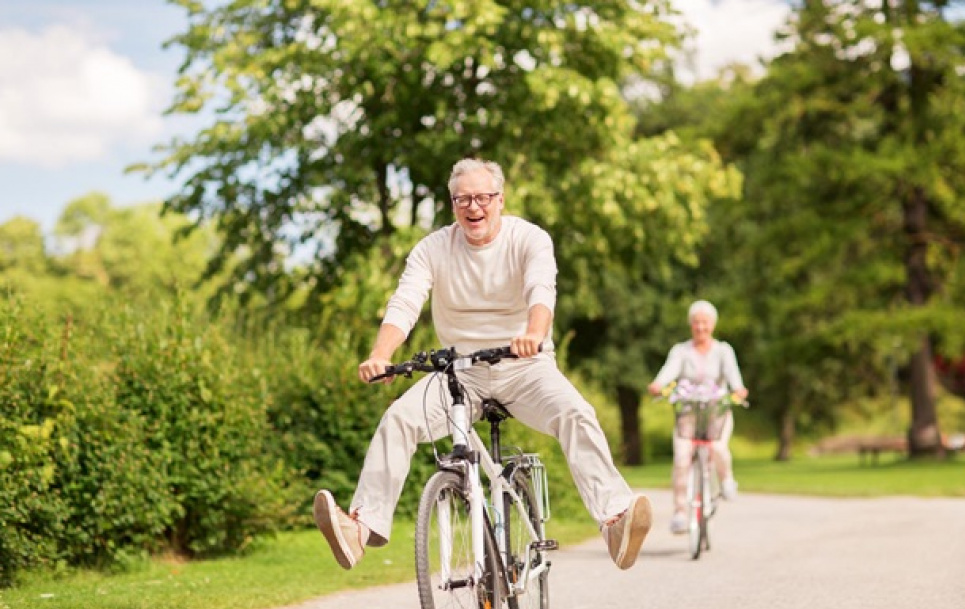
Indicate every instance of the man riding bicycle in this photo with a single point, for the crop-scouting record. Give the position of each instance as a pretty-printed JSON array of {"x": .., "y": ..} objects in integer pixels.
[{"x": 493, "y": 282}]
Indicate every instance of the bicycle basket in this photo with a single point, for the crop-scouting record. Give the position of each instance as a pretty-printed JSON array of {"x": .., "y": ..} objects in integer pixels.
[
  {"x": 540, "y": 483},
  {"x": 701, "y": 420},
  {"x": 537, "y": 473}
]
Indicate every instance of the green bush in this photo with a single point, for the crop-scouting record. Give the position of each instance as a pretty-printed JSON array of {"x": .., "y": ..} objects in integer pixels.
[
  {"x": 323, "y": 417},
  {"x": 114, "y": 484},
  {"x": 130, "y": 433},
  {"x": 31, "y": 438},
  {"x": 203, "y": 419}
]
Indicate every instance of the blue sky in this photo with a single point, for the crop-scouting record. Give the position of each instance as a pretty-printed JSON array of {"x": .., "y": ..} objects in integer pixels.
[{"x": 84, "y": 83}]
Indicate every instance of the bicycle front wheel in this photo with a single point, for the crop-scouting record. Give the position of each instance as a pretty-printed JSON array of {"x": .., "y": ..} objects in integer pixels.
[
  {"x": 522, "y": 561},
  {"x": 695, "y": 501},
  {"x": 445, "y": 565}
]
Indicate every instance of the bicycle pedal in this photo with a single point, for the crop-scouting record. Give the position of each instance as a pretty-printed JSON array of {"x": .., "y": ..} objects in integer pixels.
[{"x": 546, "y": 545}]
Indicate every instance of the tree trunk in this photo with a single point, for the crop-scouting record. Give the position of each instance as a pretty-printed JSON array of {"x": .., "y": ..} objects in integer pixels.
[
  {"x": 385, "y": 200},
  {"x": 631, "y": 449},
  {"x": 785, "y": 436},
  {"x": 924, "y": 437}
]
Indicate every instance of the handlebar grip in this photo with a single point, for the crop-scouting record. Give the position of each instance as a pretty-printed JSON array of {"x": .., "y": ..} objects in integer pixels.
[
  {"x": 507, "y": 351},
  {"x": 390, "y": 370}
]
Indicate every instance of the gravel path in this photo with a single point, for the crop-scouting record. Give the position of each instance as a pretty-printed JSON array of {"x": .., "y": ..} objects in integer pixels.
[{"x": 768, "y": 552}]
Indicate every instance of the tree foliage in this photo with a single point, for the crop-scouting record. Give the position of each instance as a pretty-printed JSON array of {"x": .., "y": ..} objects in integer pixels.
[
  {"x": 335, "y": 122},
  {"x": 133, "y": 249},
  {"x": 854, "y": 206}
]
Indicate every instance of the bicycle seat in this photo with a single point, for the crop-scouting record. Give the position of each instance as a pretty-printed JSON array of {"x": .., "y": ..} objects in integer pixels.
[{"x": 494, "y": 411}]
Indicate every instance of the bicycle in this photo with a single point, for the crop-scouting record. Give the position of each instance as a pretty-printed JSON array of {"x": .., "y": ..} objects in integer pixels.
[
  {"x": 700, "y": 410},
  {"x": 472, "y": 550}
]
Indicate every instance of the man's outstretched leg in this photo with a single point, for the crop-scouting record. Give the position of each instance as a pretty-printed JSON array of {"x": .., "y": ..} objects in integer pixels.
[
  {"x": 369, "y": 521},
  {"x": 345, "y": 534},
  {"x": 554, "y": 406},
  {"x": 625, "y": 534}
]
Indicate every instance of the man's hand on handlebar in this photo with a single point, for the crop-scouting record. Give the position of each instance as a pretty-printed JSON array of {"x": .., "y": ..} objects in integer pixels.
[
  {"x": 527, "y": 345},
  {"x": 373, "y": 367}
]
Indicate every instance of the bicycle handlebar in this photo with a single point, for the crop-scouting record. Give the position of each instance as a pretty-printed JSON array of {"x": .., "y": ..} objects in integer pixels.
[
  {"x": 707, "y": 397},
  {"x": 444, "y": 359}
]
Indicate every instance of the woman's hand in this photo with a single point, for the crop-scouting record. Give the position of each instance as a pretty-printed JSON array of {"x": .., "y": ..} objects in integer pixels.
[{"x": 655, "y": 389}]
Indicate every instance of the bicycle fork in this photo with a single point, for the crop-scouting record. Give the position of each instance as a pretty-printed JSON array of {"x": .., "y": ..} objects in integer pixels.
[
  {"x": 461, "y": 448},
  {"x": 702, "y": 499}
]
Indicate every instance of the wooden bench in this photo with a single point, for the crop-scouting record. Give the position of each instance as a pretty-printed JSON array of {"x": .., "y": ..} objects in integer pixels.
[{"x": 868, "y": 448}]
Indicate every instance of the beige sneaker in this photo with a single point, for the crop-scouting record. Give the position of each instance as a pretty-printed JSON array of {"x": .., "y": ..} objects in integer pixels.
[
  {"x": 625, "y": 534},
  {"x": 345, "y": 534}
]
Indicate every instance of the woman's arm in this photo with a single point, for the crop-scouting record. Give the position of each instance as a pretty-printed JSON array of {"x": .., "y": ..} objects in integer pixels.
[
  {"x": 671, "y": 370},
  {"x": 731, "y": 370}
]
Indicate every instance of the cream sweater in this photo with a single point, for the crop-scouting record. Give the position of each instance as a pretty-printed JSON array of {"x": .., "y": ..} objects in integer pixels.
[
  {"x": 718, "y": 365},
  {"x": 481, "y": 295}
]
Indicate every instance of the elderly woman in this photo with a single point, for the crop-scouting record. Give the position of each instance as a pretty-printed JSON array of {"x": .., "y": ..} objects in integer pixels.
[{"x": 702, "y": 359}]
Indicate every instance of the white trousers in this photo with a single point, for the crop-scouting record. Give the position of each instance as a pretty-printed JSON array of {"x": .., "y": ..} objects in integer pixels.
[
  {"x": 682, "y": 456},
  {"x": 534, "y": 391}
]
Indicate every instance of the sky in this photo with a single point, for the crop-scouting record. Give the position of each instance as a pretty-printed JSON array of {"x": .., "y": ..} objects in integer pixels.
[{"x": 84, "y": 85}]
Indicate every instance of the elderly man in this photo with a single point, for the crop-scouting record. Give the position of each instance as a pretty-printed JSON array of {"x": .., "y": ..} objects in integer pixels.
[{"x": 493, "y": 283}]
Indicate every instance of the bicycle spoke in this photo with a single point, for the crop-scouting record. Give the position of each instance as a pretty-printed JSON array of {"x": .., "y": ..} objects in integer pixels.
[{"x": 447, "y": 575}]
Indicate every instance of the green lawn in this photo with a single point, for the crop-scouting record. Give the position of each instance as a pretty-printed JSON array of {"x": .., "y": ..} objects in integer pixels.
[
  {"x": 298, "y": 566},
  {"x": 294, "y": 567},
  {"x": 839, "y": 476}
]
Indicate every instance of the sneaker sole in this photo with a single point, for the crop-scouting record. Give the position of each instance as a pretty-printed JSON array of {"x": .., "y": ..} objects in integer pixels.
[
  {"x": 638, "y": 526},
  {"x": 325, "y": 512}
]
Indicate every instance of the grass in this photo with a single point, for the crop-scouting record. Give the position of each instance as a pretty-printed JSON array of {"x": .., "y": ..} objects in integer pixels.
[
  {"x": 297, "y": 566},
  {"x": 838, "y": 476},
  {"x": 294, "y": 567}
]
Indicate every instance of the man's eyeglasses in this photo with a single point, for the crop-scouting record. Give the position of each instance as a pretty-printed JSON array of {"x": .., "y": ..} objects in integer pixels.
[{"x": 482, "y": 199}]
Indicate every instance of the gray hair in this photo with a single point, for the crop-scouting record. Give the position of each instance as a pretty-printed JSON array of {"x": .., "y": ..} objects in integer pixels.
[
  {"x": 702, "y": 306},
  {"x": 468, "y": 165}
]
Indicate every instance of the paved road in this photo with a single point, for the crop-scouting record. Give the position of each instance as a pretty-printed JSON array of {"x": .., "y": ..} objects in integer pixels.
[{"x": 768, "y": 552}]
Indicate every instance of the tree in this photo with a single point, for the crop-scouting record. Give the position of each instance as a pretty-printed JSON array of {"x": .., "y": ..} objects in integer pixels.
[
  {"x": 855, "y": 202},
  {"x": 622, "y": 256},
  {"x": 22, "y": 247},
  {"x": 336, "y": 122},
  {"x": 134, "y": 249}
]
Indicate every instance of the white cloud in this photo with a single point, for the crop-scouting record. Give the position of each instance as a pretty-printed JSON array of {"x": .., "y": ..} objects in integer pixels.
[
  {"x": 65, "y": 97},
  {"x": 729, "y": 31}
]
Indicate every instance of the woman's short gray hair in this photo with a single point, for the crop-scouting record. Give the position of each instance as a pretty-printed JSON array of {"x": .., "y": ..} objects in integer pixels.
[
  {"x": 468, "y": 165},
  {"x": 702, "y": 306}
]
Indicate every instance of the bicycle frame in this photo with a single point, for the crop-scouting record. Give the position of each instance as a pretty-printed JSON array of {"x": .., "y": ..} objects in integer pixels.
[
  {"x": 506, "y": 568},
  {"x": 700, "y": 410},
  {"x": 501, "y": 568},
  {"x": 702, "y": 456},
  {"x": 471, "y": 455},
  {"x": 702, "y": 452},
  {"x": 701, "y": 428}
]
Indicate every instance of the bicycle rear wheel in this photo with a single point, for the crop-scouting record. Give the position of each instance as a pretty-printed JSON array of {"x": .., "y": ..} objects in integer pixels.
[
  {"x": 443, "y": 550},
  {"x": 695, "y": 504},
  {"x": 536, "y": 594}
]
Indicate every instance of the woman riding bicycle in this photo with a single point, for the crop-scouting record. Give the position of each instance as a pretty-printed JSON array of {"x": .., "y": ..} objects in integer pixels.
[
  {"x": 702, "y": 359},
  {"x": 493, "y": 283}
]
